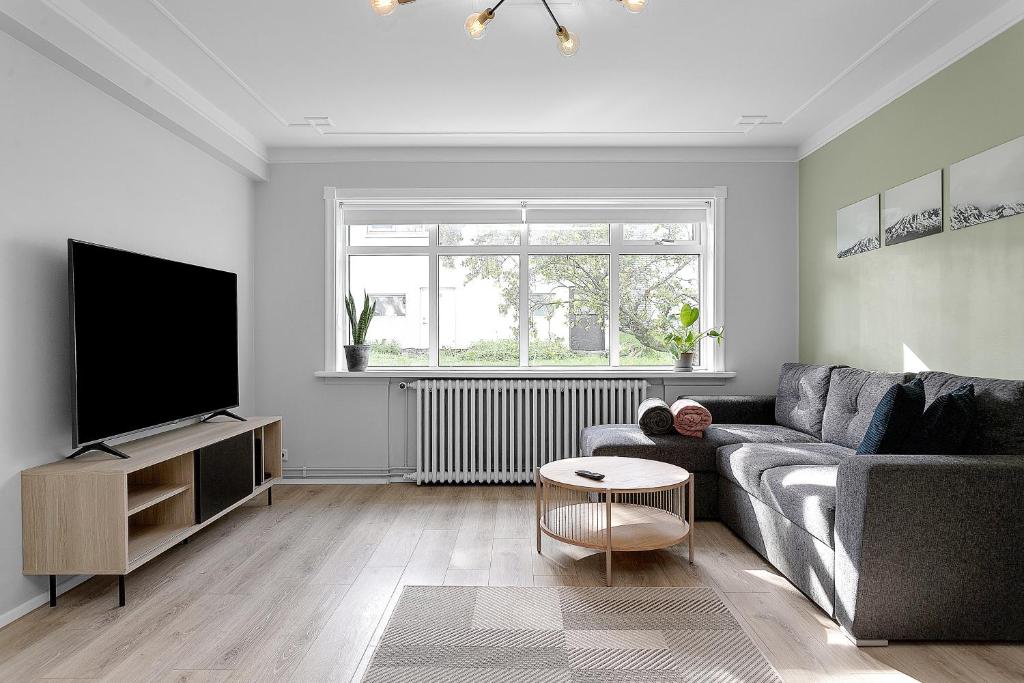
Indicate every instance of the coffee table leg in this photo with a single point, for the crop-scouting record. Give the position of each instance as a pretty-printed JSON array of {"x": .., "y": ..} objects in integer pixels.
[
  {"x": 536, "y": 476},
  {"x": 689, "y": 514},
  {"x": 608, "y": 530}
]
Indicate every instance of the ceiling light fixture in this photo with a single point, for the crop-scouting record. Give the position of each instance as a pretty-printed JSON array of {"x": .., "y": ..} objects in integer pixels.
[
  {"x": 385, "y": 7},
  {"x": 634, "y": 6},
  {"x": 476, "y": 23}
]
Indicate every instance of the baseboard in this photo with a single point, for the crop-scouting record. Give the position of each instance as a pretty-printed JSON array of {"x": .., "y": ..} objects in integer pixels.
[
  {"x": 348, "y": 475},
  {"x": 41, "y": 599}
]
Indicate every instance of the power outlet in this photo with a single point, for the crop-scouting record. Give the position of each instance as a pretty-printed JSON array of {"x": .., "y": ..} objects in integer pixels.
[{"x": 284, "y": 454}]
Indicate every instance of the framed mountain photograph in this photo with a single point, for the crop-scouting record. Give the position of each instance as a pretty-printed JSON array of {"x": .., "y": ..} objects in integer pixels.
[
  {"x": 988, "y": 186},
  {"x": 857, "y": 228},
  {"x": 913, "y": 209}
]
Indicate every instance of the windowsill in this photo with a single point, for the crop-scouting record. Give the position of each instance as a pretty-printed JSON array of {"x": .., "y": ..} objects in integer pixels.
[{"x": 695, "y": 377}]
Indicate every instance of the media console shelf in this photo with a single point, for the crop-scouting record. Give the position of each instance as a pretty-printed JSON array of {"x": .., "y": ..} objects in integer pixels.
[{"x": 99, "y": 515}]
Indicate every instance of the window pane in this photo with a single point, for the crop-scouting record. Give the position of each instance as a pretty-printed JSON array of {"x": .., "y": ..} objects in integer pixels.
[
  {"x": 399, "y": 334},
  {"x": 569, "y": 310},
  {"x": 651, "y": 290},
  {"x": 487, "y": 235},
  {"x": 478, "y": 310},
  {"x": 571, "y": 233},
  {"x": 664, "y": 232},
  {"x": 388, "y": 235}
]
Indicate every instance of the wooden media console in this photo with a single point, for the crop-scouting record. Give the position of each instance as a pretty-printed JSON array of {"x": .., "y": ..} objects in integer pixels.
[{"x": 99, "y": 515}]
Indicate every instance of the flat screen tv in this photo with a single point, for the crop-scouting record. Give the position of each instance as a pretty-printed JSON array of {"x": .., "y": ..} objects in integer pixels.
[{"x": 152, "y": 341}]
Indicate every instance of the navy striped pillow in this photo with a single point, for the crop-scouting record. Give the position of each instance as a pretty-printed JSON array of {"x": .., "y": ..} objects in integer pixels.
[{"x": 896, "y": 415}]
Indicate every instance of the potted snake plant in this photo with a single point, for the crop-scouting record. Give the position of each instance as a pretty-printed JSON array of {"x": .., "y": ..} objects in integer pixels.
[
  {"x": 686, "y": 335},
  {"x": 357, "y": 354}
]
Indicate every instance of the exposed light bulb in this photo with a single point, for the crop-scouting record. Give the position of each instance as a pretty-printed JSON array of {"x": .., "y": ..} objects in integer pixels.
[
  {"x": 477, "y": 22},
  {"x": 568, "y": 42},
  {"x": 634, "y": 5},
  {"x": 383, "y": 7}
]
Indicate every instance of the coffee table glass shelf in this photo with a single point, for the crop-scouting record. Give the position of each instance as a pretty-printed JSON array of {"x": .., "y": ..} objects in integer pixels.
[{"x": 639, "y": 505}]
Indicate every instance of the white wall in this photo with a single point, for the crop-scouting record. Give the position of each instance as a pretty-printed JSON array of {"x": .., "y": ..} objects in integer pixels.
[
  {"x": 342, "y": 426},
  {"x": 76, "y": 163}
]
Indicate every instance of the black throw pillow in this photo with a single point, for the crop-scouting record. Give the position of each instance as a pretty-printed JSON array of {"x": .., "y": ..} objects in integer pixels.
[
  {"x": 943, "y": 428},
  {"x": 897, "y": 413}
]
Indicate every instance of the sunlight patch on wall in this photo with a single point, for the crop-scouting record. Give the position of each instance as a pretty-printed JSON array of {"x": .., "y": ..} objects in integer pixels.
[{"x": 911, "y": 361}]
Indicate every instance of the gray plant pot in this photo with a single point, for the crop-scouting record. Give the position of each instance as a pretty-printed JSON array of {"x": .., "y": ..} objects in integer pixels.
[
  {"x": 357, "y": 357},
  {"x": 684, "y": 363}
]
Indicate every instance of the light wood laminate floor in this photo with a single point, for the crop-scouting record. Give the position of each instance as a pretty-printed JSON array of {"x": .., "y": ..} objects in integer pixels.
[{"x": 299, "y": 591}]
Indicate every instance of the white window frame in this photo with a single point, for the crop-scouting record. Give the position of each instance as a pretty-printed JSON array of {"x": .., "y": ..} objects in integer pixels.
[{"x": 710, "y": 246}]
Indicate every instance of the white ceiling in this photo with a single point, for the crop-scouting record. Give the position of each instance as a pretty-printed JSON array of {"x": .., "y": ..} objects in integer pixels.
[{"x": 681, "y": 73}]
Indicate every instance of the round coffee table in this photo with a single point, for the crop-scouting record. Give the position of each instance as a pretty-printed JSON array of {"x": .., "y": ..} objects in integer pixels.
[{"x": 637, "y": 506}]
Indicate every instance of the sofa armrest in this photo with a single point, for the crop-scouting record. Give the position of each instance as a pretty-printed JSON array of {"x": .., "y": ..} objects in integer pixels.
[
  {"x": 930, "y": 547},
  {"x": 743, "y": 410}
]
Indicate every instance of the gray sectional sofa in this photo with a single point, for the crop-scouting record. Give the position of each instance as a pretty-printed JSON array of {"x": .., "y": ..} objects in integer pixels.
[{"x": 893, "y": 547}]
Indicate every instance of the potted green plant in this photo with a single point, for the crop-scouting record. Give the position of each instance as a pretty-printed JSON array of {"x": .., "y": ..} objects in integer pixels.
[
  {"x": 357, "y": 354},
  {"x": 683, "y": 340}
]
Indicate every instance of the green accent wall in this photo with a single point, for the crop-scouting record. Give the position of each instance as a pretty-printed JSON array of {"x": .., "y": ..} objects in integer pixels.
[{"x": 952, "y": 301}]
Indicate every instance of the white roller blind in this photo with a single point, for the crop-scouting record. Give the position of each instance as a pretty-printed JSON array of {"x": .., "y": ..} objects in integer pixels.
[
  {"x": 615, "y": 214},
  {"x": 512, "y": 212},
  {"x": 431, "y": 214}
]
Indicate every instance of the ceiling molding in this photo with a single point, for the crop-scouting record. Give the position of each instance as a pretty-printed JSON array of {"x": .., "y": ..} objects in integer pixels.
[
  {"x": 524, "y": 155},
  {"x": 72, "y": 35},
  {"x": 974, "y": 37},
  {"x": 220, "y": 63},
  {"x": 888, "y": 38}
]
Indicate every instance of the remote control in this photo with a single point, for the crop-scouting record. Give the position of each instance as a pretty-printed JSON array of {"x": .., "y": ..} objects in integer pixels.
[{"x": 596, "y": 476}]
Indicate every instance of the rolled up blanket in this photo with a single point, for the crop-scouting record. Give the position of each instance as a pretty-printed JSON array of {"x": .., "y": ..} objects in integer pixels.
[
  {"x": 690, "y": 418},
  {"x": 654, "y": 417}
]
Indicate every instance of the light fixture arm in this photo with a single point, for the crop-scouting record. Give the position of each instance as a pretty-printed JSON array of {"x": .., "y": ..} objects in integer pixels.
[{"x": 552, "y": 14}]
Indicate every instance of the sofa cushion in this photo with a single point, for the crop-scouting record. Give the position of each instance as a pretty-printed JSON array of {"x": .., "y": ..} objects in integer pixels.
[
  {"x": 745, "y": 433},
  {"x": 744, "y": 464},
  {"x": 695, "y": 455},
  {"x": 999, "y": 427},
  {"x": 853, "y": 395},
  {"x": 800, "y": 401},
  {"x": 895, "y": 417},
  {"x": 805, "y": 495}
]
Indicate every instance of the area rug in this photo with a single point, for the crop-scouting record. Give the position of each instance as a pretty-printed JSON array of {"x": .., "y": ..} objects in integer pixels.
[{"x": 490, "y": 634}]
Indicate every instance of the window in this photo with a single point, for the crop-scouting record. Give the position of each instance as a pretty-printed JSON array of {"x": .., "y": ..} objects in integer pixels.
[{"x": 525, "y": 284}]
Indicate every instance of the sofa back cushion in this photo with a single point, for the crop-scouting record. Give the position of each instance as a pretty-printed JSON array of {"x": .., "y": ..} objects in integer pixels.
[
  {"x": 800, "y": 401},
  {"x": 999, "y": 423},
  {"x": 853, "y": 395}
]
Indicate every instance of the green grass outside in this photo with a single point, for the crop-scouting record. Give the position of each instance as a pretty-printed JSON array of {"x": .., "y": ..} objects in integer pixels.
[{"x": 504, "y": 353}]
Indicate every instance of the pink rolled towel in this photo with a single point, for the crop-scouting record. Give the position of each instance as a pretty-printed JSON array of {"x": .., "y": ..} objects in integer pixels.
[{"x": 690, "y": 418}]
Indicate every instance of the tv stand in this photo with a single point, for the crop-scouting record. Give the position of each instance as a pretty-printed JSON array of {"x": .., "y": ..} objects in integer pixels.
[
  {"x": 224, "y": 413},
  {"x": 104, "y": 516},
  {"x": 102, "y": 447}
]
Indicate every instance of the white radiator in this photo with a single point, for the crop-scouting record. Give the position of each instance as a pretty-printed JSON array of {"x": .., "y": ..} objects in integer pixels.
[{"x": 481, "y": 431}]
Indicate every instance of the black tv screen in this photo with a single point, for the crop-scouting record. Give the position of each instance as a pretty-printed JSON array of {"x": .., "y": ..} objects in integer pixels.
[{"x": 153, "y": 341}]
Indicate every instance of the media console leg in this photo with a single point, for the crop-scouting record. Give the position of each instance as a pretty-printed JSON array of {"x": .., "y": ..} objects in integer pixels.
[
  {"x": 120, "y": 590},
  {"x": 53, "y": 590},
  {"x": 270, "y": 496}
]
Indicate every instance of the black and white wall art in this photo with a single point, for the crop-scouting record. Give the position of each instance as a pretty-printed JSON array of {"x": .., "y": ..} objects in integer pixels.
[
  {"x": 988, "y": 186},
  {"x": 857, "y": 228},
  {"x": 913, "y": 209}
]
